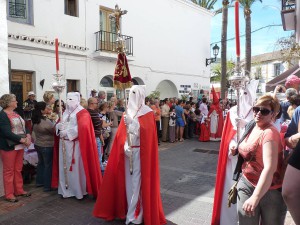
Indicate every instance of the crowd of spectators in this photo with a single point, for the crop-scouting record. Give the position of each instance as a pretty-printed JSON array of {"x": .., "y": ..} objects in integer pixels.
[{"x": 176, "y": 120}]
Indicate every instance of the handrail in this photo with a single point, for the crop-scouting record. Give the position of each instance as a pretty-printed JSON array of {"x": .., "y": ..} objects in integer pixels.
[{"x": 106, "y": 41}]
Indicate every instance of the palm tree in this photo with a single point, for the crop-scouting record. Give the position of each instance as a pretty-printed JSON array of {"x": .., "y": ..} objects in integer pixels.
[
  {"x": 225, "y": 4},
  {"x": 207, "y": 4},
  {"x": 217, "y": 71},
  {"x": 247, "y": 15}
]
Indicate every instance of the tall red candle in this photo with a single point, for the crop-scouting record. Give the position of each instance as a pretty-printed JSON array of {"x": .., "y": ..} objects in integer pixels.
[
  {"x": 237, "y": 29},
  {"x": 56, "y": 55}
]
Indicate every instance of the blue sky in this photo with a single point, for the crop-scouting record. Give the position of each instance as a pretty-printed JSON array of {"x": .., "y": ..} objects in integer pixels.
[{"x": 263, "y": 41}]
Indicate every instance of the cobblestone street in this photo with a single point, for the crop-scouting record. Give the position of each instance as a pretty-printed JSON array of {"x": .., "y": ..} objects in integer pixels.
[{"x": 187, "y": 188}]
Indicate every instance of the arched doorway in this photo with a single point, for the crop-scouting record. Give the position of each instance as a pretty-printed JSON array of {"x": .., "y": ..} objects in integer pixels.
[
  {"x": 167, "y": 89},
  {"x": 137, "y": 81},
  {"x": 106, "y": 84}
]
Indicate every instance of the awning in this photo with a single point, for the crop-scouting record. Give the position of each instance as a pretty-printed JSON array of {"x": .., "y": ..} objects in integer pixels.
[{"x": 270, "y": 86}]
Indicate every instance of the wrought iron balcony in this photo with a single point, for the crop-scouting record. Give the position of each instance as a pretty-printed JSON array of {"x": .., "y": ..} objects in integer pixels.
[
  {"x": 17, "y": 10},
  {"x": 288, "y": 4},
  {"x": 106, "y": 41}
]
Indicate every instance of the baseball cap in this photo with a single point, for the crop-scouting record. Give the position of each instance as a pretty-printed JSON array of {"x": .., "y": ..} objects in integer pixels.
[{"x": 30, "y": 93}]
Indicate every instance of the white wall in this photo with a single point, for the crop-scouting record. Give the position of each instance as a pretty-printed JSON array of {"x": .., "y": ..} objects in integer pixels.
[
  {"x": 4, "y": 84},
  {"x": 267, "y": 69},
  {"x": 171, "y": 41}
]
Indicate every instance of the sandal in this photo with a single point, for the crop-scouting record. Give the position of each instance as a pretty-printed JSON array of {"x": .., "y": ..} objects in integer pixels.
[
  {"x": 26, "y": 194},
  {"x": 181, "y": 140},
  {"x": 13, "y": 200}
]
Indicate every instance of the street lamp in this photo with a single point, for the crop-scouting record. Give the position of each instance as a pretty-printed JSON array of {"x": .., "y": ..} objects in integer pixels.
[
  {"x": 231, "y": 92},
  {"x": 216, "y": 49}
]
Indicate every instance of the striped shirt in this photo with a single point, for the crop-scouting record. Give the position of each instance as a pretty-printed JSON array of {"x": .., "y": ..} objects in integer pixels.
[{"x": 97, "y": 122}]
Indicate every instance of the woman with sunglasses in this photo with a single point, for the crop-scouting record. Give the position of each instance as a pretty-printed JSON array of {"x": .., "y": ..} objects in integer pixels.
[{"x": 259, "y": 196}]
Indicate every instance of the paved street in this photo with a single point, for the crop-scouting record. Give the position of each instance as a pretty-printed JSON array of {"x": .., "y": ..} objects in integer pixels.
[{"x": 187, "y": 188}]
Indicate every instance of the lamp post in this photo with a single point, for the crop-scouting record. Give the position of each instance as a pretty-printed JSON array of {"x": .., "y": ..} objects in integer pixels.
[
  {"x": 231, "y": 91},
  {"x": 216, "y": 49}
]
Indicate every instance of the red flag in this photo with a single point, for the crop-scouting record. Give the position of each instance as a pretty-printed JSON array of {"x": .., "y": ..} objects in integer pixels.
[{"x": 122, "y": 77}]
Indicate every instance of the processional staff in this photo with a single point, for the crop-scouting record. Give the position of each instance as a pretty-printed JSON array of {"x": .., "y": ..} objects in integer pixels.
[
  {"x": 59, "y": 86},
  {"x": 122, "y": 77},
  {"x": 239, "y": 80}
]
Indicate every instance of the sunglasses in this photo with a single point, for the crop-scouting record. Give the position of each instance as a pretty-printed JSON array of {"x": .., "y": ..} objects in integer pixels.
[{"x": 263, "y": 111}]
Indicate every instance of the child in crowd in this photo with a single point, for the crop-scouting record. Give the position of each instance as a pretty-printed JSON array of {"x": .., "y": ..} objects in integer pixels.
[
  {"x": 198, "y": 120},
  {"x": 204, "y": 129},
  {"x": 172, "y": 123}
]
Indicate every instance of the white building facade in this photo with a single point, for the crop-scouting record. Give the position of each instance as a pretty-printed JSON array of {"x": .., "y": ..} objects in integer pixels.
[
  {"x": 167, "y": 42},
  {"x": 266, "y": 67},
  {"x": 4, "y": 78}
]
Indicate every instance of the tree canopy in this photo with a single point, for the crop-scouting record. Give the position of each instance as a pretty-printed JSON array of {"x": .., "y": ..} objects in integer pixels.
[
  {"x": 289, "y": 49},
  {"x": 208, "y": 4},
  {"x": 216, "y": 71}
]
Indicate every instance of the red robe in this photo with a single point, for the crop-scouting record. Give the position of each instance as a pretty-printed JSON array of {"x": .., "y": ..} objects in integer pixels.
[
  {"x": 204, "y": 132},
  {"x": 221, "y": 119},
  {"x": 89, "y": 154},
  {"x": 227, "y": 135},
  {"x": 112, "y": 202}
]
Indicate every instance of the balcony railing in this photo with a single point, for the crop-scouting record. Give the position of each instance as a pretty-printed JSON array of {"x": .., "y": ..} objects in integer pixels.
[
  {"x": 17, "y": 10},
  {"x": 106, "y": 41},
  {"x": 288, "y": 4}
]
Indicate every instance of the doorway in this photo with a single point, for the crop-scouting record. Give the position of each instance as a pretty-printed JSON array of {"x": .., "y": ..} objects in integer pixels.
[{"x": 21, "y": 84}]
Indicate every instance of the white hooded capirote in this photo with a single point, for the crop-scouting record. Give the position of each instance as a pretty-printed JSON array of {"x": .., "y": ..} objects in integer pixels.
[
  {"x": 136, "y": 101},
  {"x": 73, "y": 101},
  {"x": 135, "y": 109},
  {"x": 68, "y": 131},
  {"x": 246, "y": 102}
]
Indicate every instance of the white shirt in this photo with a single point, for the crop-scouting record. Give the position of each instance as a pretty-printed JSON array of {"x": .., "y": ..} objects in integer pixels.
[{"x": 203, "y": 109}]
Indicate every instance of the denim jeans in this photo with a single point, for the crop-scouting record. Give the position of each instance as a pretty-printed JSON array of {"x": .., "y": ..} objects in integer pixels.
[
  {"x": 99, "y": 145},
  {"x": 44, "y": 167},
  {"x": 271, "y": 208}
]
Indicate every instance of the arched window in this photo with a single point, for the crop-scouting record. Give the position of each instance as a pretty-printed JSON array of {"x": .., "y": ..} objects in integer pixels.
[
  {"x": 135, "y": 82},
  {"x": 106, "y": 82}
]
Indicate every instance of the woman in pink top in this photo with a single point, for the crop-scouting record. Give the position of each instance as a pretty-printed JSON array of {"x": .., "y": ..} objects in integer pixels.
[{"x": 259, "y": 189}]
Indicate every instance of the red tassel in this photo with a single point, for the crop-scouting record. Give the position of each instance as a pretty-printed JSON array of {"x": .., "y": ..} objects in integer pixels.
[
  {"x": 73, "y": 161},
  {"x": 71, "y": 169}
]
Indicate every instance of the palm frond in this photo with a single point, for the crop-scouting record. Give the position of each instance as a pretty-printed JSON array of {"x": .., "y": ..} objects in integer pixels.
[{"x": 207, "y": 4}]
